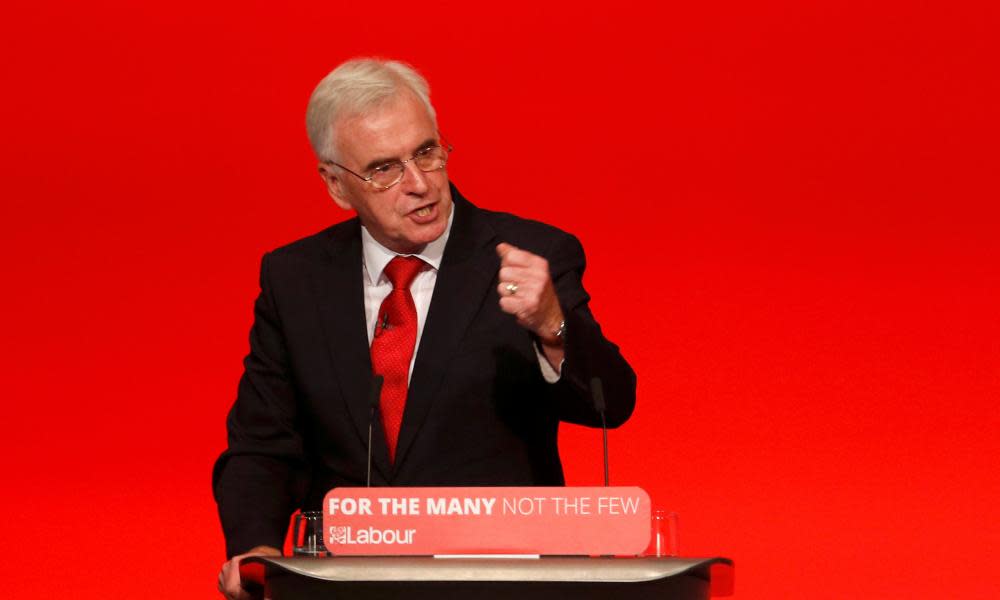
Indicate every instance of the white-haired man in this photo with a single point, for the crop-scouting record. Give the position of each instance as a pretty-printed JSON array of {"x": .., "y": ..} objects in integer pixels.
[{"x": 477, "y": 320}]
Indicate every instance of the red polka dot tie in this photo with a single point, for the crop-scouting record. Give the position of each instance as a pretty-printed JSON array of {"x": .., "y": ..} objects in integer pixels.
[{"x": 392, "y": 346}]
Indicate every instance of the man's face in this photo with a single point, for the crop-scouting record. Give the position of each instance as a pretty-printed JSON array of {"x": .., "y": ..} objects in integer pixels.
[{"x": 411, "y": 213}]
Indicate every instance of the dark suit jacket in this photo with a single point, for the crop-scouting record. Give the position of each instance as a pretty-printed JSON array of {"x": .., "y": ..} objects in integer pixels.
[{"x": 478, "y": 410}]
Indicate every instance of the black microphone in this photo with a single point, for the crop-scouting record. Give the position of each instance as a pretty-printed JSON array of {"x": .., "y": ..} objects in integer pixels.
[
  {"x": 373, "y": 398},
  {"x": 383, "y": 325},
  {"x": 597, "y": 392}
]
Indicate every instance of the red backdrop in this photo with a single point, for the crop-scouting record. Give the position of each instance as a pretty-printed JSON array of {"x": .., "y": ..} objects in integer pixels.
[{"x": 790, "y": 211}]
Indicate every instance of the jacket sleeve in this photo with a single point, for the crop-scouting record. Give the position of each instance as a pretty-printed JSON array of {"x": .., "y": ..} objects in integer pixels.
[
  {"x": 588, "y": 353},
  {"x": 260, "y": 478}
]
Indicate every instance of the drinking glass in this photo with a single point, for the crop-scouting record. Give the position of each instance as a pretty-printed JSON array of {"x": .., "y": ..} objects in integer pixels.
[
  {"x": 307, "y": 534},
  {"x": 663, "y": 534}
]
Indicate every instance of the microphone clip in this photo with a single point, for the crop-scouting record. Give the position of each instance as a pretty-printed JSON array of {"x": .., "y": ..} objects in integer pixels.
[{"x": 382, "y": 324}]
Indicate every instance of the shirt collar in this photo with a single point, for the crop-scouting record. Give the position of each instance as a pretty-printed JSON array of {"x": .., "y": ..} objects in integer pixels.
[{"x": 377, "y": 256}]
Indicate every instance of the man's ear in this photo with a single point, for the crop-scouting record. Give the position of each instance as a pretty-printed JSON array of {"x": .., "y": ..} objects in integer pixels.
[{"x": 333, "y": 185}]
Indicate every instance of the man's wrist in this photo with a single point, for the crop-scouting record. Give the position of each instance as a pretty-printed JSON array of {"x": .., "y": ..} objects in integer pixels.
[{"x": 555, "y": 335}]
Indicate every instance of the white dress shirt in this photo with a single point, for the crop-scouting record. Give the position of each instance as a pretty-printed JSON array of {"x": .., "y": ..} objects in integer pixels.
[{"x": 377, "y": 287}]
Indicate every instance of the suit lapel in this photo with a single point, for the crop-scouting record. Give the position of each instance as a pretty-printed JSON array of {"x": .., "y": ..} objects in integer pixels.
[
  {"x": 342, "y": 312},
  {"x": 468, "y": 271}
]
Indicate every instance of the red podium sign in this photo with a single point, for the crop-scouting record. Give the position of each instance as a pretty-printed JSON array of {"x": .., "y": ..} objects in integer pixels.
[{"x": 487, "y": 520}]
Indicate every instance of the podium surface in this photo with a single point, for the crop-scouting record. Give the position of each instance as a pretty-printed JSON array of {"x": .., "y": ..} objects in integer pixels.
[{"x": 548, "y": 578}]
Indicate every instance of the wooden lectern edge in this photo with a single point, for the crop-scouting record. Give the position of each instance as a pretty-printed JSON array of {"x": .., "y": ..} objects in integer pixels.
[{"x": 418, "y": 568}]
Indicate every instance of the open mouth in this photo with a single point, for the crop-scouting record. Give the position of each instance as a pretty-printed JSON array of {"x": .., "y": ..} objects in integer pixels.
[{"x": 425, "y": 214}]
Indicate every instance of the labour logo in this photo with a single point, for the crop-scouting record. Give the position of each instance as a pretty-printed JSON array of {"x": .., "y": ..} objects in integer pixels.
[{"x": 338, "y": 534}]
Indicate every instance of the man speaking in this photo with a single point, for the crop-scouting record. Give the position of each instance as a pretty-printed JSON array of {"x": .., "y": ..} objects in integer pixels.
[{"x": 476, "y": 320}]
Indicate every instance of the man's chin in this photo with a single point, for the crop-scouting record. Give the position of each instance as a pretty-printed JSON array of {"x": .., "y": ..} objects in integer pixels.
[
  {"x": 428, "y": 233},
  {"x": 417, "y": 237}
]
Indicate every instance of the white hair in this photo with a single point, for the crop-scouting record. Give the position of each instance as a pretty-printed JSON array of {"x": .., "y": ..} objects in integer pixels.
[{"x": 354, "y": 87}]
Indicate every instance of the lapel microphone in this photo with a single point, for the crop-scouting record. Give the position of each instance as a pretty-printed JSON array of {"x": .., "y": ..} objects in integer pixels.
[
  {"x": 597, "y": 393},
  {"x": 373, "y": 398},
  {"x": 382, "y": 325}
]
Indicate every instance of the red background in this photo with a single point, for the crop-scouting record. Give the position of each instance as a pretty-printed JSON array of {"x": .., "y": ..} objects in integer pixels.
[{"x": 790, "y": 211}]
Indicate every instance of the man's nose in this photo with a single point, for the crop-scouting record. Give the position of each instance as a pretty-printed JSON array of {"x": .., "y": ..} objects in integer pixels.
[{"x": 414, "y": 180}]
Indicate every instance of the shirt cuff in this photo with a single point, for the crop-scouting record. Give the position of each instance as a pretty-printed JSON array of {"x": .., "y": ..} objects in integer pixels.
[{"x": 551, "y": 375}]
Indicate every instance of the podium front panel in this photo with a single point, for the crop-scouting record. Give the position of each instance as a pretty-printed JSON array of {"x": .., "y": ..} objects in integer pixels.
[{"x": 546, "y": 578}]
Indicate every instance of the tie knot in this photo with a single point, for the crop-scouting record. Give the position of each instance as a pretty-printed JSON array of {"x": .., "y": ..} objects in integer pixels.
[{"x": 402, "y": 270}]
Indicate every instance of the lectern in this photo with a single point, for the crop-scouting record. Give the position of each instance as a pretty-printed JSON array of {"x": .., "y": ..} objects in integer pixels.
[{"x": 546, "y": 578}]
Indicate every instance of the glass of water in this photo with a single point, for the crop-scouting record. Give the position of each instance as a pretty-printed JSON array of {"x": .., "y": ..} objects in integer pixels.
[
  {"x": 663, "y": 538},
  {"x": 307, "y": 534}
]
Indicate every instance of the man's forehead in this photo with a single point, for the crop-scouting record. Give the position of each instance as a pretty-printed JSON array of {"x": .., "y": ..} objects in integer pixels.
[{"x": 389, "y": 130}]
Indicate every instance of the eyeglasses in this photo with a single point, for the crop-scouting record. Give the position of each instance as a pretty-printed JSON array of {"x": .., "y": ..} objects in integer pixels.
[{"x": 384, "y": 176}]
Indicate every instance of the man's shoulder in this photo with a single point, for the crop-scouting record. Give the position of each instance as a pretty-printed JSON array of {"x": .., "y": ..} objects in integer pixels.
[
  {"x": 520, "y": 231},
  {"x": 318, "y": 246},
  {"x": 529, "y": 234}
]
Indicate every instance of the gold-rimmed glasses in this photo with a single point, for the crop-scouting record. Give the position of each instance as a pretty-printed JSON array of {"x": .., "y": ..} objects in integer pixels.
[{"x": 429, "y": 158}]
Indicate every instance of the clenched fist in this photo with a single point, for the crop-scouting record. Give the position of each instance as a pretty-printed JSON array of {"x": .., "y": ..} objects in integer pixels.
[{"x": 527, "y": 292}]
